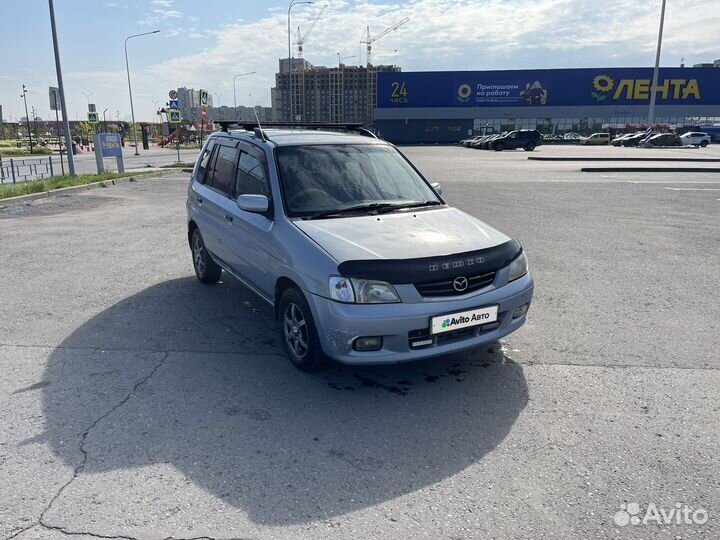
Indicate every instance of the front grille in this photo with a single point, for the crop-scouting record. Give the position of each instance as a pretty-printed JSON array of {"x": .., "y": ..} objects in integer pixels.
[{"x": 445, "y": 287}]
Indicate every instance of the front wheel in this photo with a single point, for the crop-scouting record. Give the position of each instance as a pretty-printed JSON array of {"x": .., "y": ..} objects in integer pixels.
[
  {"x": 499, "y": 147},
  {"x": 298, "y": 331},
  {"x": 529, "y": 147},
  {"x": 704, "y": 144},
  {"x": 206, "y": 269}
]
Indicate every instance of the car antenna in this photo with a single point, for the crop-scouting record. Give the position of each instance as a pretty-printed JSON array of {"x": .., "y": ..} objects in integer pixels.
[{"x": 260, "y": 129}]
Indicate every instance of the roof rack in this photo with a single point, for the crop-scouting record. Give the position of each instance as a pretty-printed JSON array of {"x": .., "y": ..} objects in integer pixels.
[{"x": 258, "y": 128}]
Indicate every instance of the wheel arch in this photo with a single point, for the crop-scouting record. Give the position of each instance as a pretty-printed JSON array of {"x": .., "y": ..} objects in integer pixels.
[
  {"x": 282, "y": 284},
  {"x": 191, "y": 228}
]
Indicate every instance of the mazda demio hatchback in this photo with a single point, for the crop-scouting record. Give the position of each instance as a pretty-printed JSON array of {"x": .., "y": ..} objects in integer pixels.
[{"x": 361, "y": 257}]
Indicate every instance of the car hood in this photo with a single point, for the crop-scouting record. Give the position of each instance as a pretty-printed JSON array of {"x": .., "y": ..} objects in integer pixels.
[{"x": 402, "y": 235}]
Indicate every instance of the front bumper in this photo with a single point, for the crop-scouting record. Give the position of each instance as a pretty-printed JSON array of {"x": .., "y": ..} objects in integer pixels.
[{"x": 339, "y": 324}]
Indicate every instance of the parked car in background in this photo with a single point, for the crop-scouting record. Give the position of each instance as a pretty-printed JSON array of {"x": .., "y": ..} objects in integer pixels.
[
  {"x": 663, "y": 139},
  {"x": 618, "y": 141},
  {"x": 596, "y": 138},
  {"x": 695, "y": 138},
  {"x": 637, "y": 138},
  {"x": 527, "y": 139},
  {"x": 572, "y": 136},
  {"x": 485, "y": 144}
]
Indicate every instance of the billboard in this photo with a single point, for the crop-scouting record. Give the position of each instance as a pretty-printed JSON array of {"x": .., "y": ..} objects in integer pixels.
[{"x": 548, "y": 87}]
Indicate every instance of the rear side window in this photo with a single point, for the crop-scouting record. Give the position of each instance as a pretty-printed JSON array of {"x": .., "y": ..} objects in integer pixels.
[
  {"x": 251, "y": 179},
  {"x": 223, "y": 173},
  {"x": 204, "y": 161}
]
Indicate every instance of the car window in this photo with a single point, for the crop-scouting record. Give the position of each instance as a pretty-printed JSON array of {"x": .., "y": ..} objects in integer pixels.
[
  {"x": 251, "y": 178},
  {"x": 223, "y": 174},
  {"x": 330, "y": 177},
  {"x": 204, "y": 160}
]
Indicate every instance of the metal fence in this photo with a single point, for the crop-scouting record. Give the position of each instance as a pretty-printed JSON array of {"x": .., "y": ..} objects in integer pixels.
[{"x": 14, "y": 170}]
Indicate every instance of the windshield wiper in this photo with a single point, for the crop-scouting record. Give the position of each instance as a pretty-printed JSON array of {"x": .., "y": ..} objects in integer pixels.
[
  {"x": 412, "y": 204},
  {"x": 349, "y": 210}
]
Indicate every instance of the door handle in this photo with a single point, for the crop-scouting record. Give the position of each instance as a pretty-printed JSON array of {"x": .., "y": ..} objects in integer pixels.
[
  {"x": 228, "y": 218},
  {"x": 198, "y": 199}
]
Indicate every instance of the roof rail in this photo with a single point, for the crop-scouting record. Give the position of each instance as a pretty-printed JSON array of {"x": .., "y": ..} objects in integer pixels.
[{"x": 255, "y": 127}]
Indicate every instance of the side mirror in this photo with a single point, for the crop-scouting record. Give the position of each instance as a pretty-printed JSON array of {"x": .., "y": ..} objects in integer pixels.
[
  {"x": 257, "y": 204},
  {"x": 437, "y": 187}
]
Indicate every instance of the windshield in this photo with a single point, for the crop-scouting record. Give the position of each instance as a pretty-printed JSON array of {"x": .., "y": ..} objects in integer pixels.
[{"x": 326, "y": 178}]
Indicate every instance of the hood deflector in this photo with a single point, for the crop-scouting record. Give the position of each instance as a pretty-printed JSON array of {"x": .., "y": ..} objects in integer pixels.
[{"x": 401, "y": 271}]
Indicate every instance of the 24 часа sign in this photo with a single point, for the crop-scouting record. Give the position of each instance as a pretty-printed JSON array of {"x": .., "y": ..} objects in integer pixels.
[{"x": 556, "y": 87}]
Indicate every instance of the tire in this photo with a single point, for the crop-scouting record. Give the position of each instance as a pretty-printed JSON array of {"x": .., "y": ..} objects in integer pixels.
[
  {"x": 498, "y": 147},
  {"x": 206, "y": 269},
  {"x": 703, "y": 143},
  {"x": 529, "y": 147},
  {"x": 298, "y": 332}
]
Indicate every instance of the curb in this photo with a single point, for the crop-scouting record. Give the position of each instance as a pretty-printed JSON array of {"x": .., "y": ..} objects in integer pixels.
[
  {"x": 693, "y": 160},
  {"x": 21, "y": 199},
  {"x": 652, "y": 169}
]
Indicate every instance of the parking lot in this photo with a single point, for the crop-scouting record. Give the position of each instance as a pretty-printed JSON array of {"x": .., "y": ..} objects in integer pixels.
[{"x": 139, "y": 403}]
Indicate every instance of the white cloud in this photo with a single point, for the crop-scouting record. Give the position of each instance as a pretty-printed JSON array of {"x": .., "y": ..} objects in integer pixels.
[{"x": 163, "y": 3}]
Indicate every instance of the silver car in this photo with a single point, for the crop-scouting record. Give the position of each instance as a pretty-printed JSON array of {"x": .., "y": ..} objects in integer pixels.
[{"x": 362, "y": 259}]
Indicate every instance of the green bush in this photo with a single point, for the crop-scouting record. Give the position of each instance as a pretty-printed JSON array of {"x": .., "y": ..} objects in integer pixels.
[{"x": 25, "y": 152}]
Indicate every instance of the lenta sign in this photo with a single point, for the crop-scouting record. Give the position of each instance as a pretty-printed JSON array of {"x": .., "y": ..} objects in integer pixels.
[{"x": 548, "y": 87}]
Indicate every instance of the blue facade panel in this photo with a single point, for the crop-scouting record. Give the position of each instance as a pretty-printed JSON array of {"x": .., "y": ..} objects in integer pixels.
[{"x": 547, "y": 87}]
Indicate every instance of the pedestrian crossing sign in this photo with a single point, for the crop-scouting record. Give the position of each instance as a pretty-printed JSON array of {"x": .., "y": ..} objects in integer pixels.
[
  {"x": 175, "y": 116},
  {"x": 93, "y": 118}
]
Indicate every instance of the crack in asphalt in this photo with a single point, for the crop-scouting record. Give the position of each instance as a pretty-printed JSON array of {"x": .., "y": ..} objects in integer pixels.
[{"x": 41, "y": 520}]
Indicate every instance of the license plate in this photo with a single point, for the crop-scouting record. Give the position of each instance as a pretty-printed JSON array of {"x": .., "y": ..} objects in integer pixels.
[{"x": 463, "y": 319}]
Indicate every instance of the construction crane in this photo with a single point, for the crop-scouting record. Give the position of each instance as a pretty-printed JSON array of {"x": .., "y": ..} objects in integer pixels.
[
  {"x": 370, "y": 40},
  {"x": 301, "y": 40}
]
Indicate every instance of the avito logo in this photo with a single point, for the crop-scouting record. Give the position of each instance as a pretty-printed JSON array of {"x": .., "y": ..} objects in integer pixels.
[{"x": 463, "y": 319}]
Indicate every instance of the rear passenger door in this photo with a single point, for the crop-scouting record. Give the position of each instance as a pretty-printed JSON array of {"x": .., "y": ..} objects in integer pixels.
[
  {"x": 254, "y": 249},
  {"x": 218, "y": 203}
]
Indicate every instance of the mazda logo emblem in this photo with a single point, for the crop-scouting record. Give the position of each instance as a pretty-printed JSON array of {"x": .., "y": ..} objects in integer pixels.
[{"x": 460, "y": 283}]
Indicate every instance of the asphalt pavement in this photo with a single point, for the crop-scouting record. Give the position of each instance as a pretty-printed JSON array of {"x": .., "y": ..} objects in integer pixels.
[{"x": 140, "y": 403}]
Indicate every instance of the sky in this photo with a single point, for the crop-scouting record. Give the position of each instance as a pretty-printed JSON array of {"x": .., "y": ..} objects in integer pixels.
[{"x": 203, "y": 44}]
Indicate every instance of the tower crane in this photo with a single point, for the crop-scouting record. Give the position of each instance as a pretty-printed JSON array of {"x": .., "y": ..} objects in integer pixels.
[
  {"x": 370, "y": 40},
  {"x": 301, "y": 39}
]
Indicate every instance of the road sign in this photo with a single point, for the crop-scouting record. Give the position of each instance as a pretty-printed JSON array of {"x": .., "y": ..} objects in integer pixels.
[
  {"x": 54, "y": 99},
  {"x": 204, "y": 99},
  {"x": 93, "y": 117},
  {"x": 91, "y": 107},
  {"x": 173, "y": 104},
  {"x": 110, "y": 144},
  {"x": 175, "y": 116},
  {"x": 172, "y": 94},
  {"x": 203, "y": 114}
]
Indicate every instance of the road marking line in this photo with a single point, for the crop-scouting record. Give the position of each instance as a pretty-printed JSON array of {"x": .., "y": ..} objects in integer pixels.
[{"x": 692, "y": 189}]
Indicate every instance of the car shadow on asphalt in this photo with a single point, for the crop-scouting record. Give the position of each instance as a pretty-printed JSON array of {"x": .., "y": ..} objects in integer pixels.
[{"x": 194, "y": 376}]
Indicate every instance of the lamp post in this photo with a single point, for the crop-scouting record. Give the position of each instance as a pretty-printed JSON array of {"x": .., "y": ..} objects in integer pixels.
[
  {"x": 235, "y": 92},
  {"x": 341, "y": 73},
  {"x": 87, "y": 96},
  {"x": 127, "y": 67},
  {"x": 653, "y": 88},
  {"x": 216, "y": 103},
  {"x": 27, "y": 117},
  {"x": 105, "y": 121},
  {"x": 292, "y": 3}
]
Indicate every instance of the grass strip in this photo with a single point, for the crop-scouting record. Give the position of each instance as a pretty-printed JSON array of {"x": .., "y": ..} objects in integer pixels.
[{"x": 58, "y": 182}]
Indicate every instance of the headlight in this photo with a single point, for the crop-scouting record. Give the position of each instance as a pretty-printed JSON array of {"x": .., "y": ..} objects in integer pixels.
[
  {"x": 518, "y": 268},
  {"x": 362, "y": 291}
]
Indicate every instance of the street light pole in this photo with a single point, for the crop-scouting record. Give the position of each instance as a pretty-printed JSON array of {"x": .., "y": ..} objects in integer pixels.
[
  {"x": 127, "y": 67},
  {"x": 653, "y": 88},
  {"x": 235, "y": 90},
  {"x": 61, "y": 91},
  {"x": 87, "y": 96},
  {"x": 292, "y": 3},
  {"x": 27, "y": 117}
]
